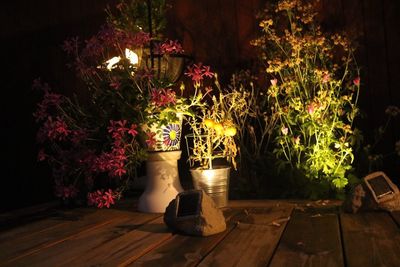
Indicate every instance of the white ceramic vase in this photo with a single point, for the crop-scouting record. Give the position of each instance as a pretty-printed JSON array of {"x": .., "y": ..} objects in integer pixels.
[{"x": 162, "y": 181}]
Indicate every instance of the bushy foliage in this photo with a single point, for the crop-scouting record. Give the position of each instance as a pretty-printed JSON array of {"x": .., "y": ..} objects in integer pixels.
[{"x": 314, "y": 87}]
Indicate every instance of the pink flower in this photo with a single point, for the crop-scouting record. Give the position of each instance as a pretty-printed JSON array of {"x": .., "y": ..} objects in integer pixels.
[
  {"x": 207, "y": 72},
  {"x": 138, "y": 39},
  {"x": 50, "y": 100},
  {"x": 296, "y": 140},
  {"x": 163, "y": 97},
  {"x": 311, "y": 109},
  {"x": 103, "y": 162},
  {"x": 168, "y": 97},
  {"x": 94, "y": 48},
  {"x": 284, "y": 130},
  {"x": 65, "y": 192},
  {"x": 151, "y": 140},
  {"x": 53, "y": 130},
  {"x": 326, "y": 78},
  {"x": 95, "y": 199},
  {"x": 117, "y": 129},
  {"x": 274, "y": 82},
  {"x": 41, "y": 155},
  {"x": 132, "y": 131},
  {"x": 115, "y": 83},
  {"x": 108, "y": 198},
  {"x": 113, "y": 162},
  {"x": 102, "y": 199},
  {"x": 197, "y": 72},
  {"x": 119, "y": 155},
  {"x": 120, "y": 171},
  {"x": 170, "y": 47},
  {"x": 356, "y": 81}
]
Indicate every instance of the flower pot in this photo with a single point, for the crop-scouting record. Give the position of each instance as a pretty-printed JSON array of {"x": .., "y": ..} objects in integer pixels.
[
  {"x": 162, "y": 181},
  {"x": 215, "y": 182},
  {"x": 167, "y": 136}
]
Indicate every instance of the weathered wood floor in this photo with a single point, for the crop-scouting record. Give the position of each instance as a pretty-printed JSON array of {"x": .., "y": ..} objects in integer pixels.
[{"x": 260, "y": 233}]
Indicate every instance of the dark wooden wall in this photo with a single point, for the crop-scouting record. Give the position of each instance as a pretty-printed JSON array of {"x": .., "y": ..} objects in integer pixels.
[
  {"x": 216, "y": 32},
  {"x": 376, "y": 23},
  {"x": 31, "y": 36}
]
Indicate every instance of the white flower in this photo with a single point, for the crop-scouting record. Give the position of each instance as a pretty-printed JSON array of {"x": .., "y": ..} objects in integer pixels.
[{"x": 284, "y": 130}]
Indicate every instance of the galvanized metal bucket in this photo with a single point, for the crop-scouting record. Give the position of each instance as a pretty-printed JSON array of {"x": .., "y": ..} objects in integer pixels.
[{"x": 215, "y": 182}]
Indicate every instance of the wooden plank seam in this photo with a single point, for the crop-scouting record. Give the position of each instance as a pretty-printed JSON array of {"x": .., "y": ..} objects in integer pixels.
[{"x": 52, "y": 243}]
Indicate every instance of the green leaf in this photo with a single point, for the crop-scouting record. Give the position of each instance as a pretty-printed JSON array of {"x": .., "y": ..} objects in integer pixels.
[{"x": 340, "y": 182}]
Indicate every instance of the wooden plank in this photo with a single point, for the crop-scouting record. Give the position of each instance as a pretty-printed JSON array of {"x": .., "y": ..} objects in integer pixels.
[
  {"x": 76, "y": 247},
  {"x": 262, "y": 203},
  {"x": 50, "y": 219},
  {"x": 126, "y": 248},
  {"x": 312, "y": 238},
  {"x": 370, "y": 239},
  {"x": 396, "y": 216},
  {"x": 183, "y": 250},
  {"x": 251, "y": 243},
  {"x": 15, "y": 248},
  {"x": 28, "y": 214},
  {"x": 53, "y": 220}
]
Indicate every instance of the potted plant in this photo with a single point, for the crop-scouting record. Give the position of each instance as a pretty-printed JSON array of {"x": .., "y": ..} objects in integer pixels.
[
  {"x": 94, "y": 142},
  {"x": 212, "y": 138}
]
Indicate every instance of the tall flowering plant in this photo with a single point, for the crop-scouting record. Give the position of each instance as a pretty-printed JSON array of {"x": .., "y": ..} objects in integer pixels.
[
  {"x": 314, "y": 86},
  {"x": 213, "y": 127},
  {"x": 94, "y": 145}
]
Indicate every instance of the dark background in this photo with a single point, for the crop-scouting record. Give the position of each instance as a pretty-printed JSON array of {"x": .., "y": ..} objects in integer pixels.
[{"x": 216, "y": 32}]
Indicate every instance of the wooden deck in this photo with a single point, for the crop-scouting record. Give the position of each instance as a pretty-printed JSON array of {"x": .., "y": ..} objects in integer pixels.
[{"x": 259, "y": 233}]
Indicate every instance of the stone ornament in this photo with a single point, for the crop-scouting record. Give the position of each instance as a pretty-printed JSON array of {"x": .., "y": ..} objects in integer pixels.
[{"x": 194, "y": 213}]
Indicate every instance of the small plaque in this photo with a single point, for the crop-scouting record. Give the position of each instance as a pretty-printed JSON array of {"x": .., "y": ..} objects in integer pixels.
[
  {"x": 381, "y": 187},
  {"x": 188, "y": 204}
]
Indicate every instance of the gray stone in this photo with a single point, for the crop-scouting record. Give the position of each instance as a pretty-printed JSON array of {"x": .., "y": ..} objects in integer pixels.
[{"x": 194, "y": 213}]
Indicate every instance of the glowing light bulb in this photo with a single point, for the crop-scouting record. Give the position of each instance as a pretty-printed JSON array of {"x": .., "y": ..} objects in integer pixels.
[
  {"x": 131, "y": 56},
  {"x": 111, "y": 62}
]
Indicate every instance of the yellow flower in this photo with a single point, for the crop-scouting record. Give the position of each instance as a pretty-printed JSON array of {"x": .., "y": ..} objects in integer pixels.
[{"x": 266, "y": 23}]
